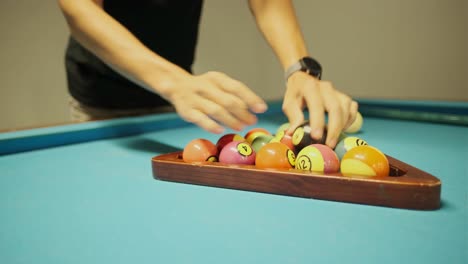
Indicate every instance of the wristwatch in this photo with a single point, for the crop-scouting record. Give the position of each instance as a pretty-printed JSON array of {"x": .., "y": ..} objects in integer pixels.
[{"x": 307, "y": 65}]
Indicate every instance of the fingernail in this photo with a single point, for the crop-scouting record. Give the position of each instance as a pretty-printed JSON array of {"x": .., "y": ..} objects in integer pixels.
[
  {"x": 317, "y": 133},
  {"x": 332, "y": 143},
  {"x": 218, "y": 130},
  {"x": 260, "y": 108}
]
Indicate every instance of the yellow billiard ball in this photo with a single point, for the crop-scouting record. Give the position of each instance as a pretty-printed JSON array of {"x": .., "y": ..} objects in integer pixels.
[{"x": 356, "y": 125}]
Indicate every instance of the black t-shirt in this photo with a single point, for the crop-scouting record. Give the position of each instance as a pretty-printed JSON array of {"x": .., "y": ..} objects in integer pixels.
[{"x": 168, "y": 27}]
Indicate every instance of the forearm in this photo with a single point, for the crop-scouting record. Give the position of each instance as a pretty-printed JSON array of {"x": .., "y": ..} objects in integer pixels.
[
  {"x": 117, "y": 47},
  {"x": 277, "y": 21}
]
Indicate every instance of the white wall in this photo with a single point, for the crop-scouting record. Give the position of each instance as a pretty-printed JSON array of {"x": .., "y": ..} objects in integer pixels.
[{"x": 369, "y": 48}]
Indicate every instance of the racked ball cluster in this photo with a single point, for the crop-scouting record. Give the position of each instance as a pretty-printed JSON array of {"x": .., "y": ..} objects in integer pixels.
[{"x": 351, "y": 156}]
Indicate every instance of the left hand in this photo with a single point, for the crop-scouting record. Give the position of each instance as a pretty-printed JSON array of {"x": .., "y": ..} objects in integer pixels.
[{"x": 304, "y": 90}]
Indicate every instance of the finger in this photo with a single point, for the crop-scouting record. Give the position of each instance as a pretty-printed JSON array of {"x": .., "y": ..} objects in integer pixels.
[
  {"x": 313, "y": 99},
  {"x": 293, "y": 109},
  {"x": 345, "y": 104},
  {"x": 219, "y": 113},
  {"x": 230, "y": 102},
  {"x": 335, "y": 114},
  {"x": 353, "y": 110},
  {"x": 202, "y": 120},
  {"x": 253, "y": 101}
]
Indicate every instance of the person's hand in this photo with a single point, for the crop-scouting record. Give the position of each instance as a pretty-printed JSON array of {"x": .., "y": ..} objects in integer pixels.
[
  {"x": 305, "y": 91},
  {"x": 213, "y": 100}
]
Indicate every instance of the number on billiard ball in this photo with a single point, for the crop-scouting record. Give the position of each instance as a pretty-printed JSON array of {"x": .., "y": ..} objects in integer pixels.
[
  {"x": 301, "y": 137},
  {"x": 237, "y": 153},
  {"x": 319, "y": 158}
]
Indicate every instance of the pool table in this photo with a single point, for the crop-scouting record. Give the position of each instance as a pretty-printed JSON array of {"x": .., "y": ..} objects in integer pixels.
[{"x": 85, "y": 193}]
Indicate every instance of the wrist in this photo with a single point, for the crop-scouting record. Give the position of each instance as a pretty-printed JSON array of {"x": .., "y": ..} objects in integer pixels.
[
  {"x": 306, "y": 65},
  {"x": 164, "y": 78}
]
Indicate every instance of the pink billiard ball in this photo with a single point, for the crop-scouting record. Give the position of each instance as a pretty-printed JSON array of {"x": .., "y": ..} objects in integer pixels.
[
  {"x": 199, "y": 150},
  {"x": 237, "y": 153}
]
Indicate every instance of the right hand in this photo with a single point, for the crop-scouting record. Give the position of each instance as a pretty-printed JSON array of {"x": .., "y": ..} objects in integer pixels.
[{"x": 214, "y": 100}]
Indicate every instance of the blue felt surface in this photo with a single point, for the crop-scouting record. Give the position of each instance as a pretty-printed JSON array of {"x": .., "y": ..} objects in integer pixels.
[{"x": 96, "y": 202}]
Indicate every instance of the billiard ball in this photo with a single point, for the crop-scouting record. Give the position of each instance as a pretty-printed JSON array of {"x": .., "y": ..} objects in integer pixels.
[
  {"x": 199, "y": 150},
  {"x": 225, "y": 139},
  {"x": 319, "y": 158},
  {"x": 261, "y": 141},
  {"x": 348, "y": 143},
  {"x": 285, "y": 139},
  {"x": 282, "y": 128},
  {"x": 301, "y": 137},
  {"x": 237, "y": 153},
  {"x": 275, "y": 155},
  {"x": 356, "y": 125},
  {"x": 366, "y": 161},
  {"x": 255, "y": 132}
]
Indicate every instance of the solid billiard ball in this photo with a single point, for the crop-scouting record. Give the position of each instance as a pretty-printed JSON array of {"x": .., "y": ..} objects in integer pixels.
[
  {"x": 275, "y": 155},
  {"x": 225, "y": 139},
  {"x": 199, "y": 150},
  {"x": 261, "y": 141},
  {"x": 301, "y": 137},
  {"x": 285, "y": 139},
  {"x": 366, "y": 161},
  {"x": 348, "y": 143},
  {"x": 356, "y": 125},
  {"x": 319, "y": 158},
  {"x": 255, "y": 132},
  {"x": 237, "y": 153}
]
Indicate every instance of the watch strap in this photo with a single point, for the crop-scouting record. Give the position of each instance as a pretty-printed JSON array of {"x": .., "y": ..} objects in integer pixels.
[{"x": 307, "y": 65}]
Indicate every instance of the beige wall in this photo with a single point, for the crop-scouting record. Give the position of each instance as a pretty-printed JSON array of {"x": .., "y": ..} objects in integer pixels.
[{"x": 369, "y": 48}]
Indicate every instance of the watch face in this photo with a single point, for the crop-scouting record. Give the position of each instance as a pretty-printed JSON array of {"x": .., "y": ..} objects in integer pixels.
[{"x": 312, "y": 66}]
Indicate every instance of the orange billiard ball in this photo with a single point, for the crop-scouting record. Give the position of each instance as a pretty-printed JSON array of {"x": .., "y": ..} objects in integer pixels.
[
  {"x": 275, "y": 155},
  {"x": 365, "y": 161},
  {"x": 199, "y": 150}
]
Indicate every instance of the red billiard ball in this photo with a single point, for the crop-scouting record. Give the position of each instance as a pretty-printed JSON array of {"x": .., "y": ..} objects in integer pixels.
[
  {"x": 225, "y": 139},
  {"x": 255, "y": 132},
  {"x": 365, "y": 161},
  {"x": 319, "y": 158},
  {"x": 237, "y": 153},
  {"x": 199, "y": 150},
  {"x": 275, "y": 155}
]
